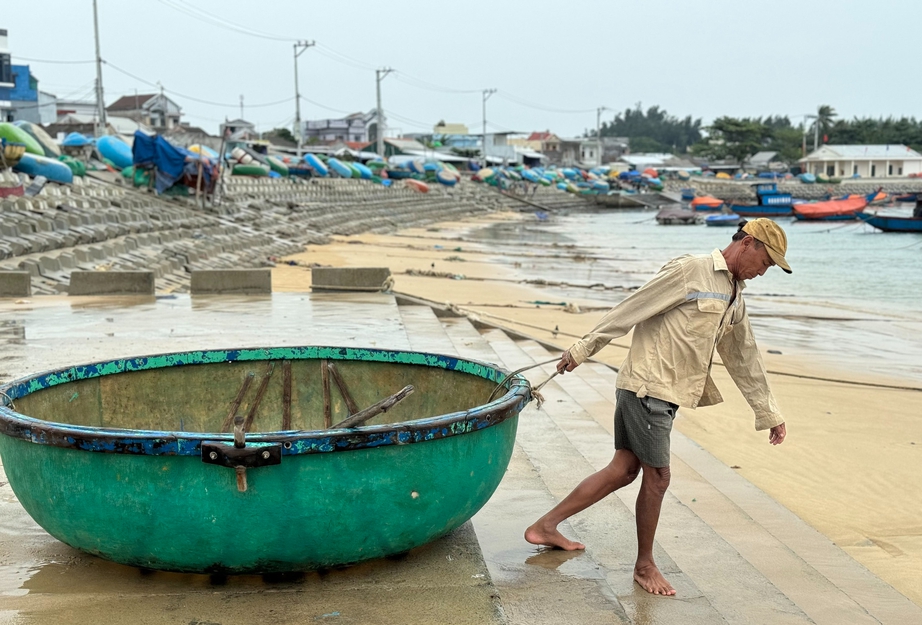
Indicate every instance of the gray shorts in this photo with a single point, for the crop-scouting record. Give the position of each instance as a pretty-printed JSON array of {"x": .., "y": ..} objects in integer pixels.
[{"x": 643, "y": 425}]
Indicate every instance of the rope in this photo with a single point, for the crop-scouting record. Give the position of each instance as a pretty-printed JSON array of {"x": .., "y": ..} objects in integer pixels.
[
  {"x": 9, "y": 400},
  {"x": 534, "y": 389}
]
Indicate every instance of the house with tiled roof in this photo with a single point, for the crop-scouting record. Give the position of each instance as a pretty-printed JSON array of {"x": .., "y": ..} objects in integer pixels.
[{"x": 152, "y": 109}]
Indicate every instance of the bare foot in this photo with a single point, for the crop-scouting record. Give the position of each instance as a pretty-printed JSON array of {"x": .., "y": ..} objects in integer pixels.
[
  {"x": 651, "y": 580},
  {"x": 538, "y": 535}
]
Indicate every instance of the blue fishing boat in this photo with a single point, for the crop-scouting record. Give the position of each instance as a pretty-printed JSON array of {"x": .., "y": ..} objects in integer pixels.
[
  {"x": 892, "y": 224},
  {"x": 725, "y": 220},
  {"x": 770, "y": 203}
]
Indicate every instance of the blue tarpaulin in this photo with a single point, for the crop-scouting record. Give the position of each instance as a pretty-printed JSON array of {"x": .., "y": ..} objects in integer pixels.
[{"x": 169, "y": 161}]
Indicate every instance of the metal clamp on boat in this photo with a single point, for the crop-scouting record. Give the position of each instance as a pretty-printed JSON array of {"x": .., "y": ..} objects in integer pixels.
[{"x": 240, "y": 457}]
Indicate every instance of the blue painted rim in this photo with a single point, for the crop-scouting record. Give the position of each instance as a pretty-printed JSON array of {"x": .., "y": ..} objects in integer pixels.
[{"x": 294, "y": 442}]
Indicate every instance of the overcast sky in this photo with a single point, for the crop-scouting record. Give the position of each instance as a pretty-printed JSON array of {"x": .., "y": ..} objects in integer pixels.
[{"x": 553, "y": 62}]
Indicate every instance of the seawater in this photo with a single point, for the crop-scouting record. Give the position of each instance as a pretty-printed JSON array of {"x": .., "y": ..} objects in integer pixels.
[{"x": 855, "y": 291}]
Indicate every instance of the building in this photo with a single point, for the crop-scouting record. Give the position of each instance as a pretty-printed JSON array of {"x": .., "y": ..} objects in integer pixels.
[
  {"x": 86, "y": 125},
  {"x": 353, "y": 127},
  {"x": 6, "y": 77},
  {"x": 152, "y": 109},
  {"x": 76, "y": 107},
  {"x": 864, "y": 161},
  {"x": 238, "y": 130},
  {"x": 545, "y": 142},
  {"x": 765, "y": 162},
  {"x": 27, "y": 102}
]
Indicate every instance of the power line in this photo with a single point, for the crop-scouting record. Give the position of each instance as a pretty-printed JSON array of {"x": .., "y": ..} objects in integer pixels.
[
  {"x": 324, "y": 106},
  {"x": 424, "y": 84},
  {"x": 204, "y": 16},
  {"x": 193, "y": 98},
  {"x": 522, "y": 102},
  {"x": 25, "y": 58}
]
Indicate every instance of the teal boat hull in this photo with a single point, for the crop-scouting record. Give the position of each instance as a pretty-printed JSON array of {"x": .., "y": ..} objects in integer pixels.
[{"x": 150, "y": 498}]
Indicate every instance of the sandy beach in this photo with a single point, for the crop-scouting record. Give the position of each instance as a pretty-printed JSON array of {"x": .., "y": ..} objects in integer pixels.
[{"x": 849, "y": 465}]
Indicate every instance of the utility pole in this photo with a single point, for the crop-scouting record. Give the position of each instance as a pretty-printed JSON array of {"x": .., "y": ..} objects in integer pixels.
[
  {"x": 379, "y": 76},
  {"x": 100, "y": 102},
  {"x": 241, "y": 107},
  {"x": 303, "y": 45},
  {"x": 816, "y": 131},
  {"x": 598, "y": 130},
  {"x": 486, "y": 96}
]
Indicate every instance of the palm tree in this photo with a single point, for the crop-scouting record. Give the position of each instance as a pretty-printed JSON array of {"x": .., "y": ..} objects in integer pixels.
[{"x": 825, "y": 115}]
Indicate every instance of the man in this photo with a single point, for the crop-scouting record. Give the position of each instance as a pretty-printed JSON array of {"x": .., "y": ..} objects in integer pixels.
[{"x": 692, "y": 306}]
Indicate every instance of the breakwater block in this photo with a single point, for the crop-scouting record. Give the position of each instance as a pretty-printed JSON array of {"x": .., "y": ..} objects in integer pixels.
[
  {"x": 111, "y": 283},
  {"x": 15, "y": 284},
  {"x": 231, "y": 282},
  {"x": 351, "y": 279}
]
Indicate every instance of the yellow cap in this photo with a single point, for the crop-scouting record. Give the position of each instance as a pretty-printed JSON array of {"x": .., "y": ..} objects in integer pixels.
[{"x": 772, "y": 237}]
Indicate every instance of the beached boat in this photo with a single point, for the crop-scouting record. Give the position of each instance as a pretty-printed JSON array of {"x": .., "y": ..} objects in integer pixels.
[
  {"x": 276, "y": 165},
  {"x": 233, "y": 461},
  {"x": 417, "y": 185},
  {"x": 54, "y": 170},
  {"x": 832, "y": 210},
  {"x": 889, "y": 223},
  {"x": 317, "y": 165},
  {"x": 343, "y": 170},
  {"x": 15, "y": 134},
  {"x": 115, "y": 151},
  {"x": 676, "y": 215},
  {"x": 252, "y": 169},
  {"x": 723, "y": 220},
  {"x": 49, "y": 145}
]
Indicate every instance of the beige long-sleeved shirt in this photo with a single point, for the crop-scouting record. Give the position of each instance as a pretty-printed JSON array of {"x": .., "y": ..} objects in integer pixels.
[{"x": 679, "y": 318}]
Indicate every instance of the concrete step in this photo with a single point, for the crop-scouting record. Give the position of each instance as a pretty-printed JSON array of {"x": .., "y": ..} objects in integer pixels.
[
  {"x": 821, "y": 580},
  {"x": 424, "y": 330}
]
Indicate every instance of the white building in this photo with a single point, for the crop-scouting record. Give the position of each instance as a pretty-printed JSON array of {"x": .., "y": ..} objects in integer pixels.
[{"x": 866, "y": 161}]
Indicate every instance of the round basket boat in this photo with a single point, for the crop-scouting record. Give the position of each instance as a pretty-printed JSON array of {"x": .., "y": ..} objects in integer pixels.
[{"x": 236, "y": 461}]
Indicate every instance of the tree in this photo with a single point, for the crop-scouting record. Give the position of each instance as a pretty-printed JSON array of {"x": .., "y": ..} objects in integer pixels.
[
  {"x": 282, "y": 133},
  {"x": 652, "y": 128},
  {"x": 825, "y": 115},
  {"x": 730, "y": 137}
]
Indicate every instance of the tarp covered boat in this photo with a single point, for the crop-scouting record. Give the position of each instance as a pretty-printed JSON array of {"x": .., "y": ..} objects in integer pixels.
[
  {"x": 133, "y": 460},
  {"x": 831, "y": 210},
  {"x": 171, "y": 164}
]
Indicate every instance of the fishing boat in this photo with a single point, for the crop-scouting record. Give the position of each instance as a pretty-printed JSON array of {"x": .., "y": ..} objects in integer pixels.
[
  {"x": 256, "y": 460},
  {"x": 833, "y": 210},
  {"x": 726, "y": 220},
  {"x": 676, "y": 215},
  {"x": 769, "y": 203},
  {"x": 889, "y": 223},
  {"x": 706, "y": 203}
]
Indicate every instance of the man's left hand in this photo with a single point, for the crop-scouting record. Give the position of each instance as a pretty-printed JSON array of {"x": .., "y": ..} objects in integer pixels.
[{"x": 776, "y": 434}]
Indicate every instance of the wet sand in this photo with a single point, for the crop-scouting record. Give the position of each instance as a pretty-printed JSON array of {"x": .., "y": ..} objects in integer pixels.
[{"x": 849, "y": 466}]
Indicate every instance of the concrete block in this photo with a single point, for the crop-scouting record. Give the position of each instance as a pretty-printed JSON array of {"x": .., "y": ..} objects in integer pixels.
[
  {"x": 31, "y": 267},
  {"x": 15, "y": 284},
  {"x": 350, "y": 278},
  {"x": 111, "y": 283},
  {"x": 231, "y": 282},
  {"x": 49, "y": 264}
]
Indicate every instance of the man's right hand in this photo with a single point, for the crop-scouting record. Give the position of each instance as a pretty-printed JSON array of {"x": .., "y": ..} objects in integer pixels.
[{"x": 566, "y": 363}]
